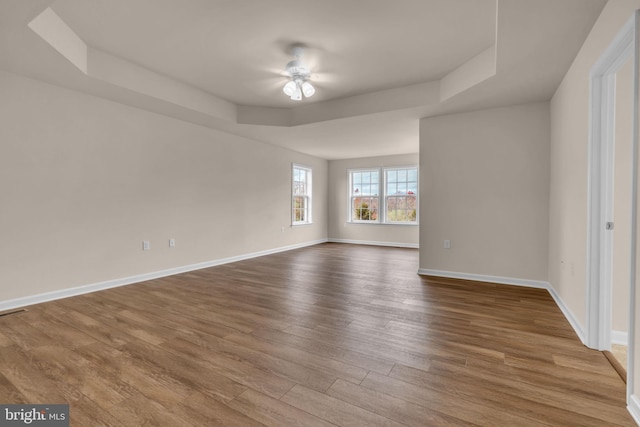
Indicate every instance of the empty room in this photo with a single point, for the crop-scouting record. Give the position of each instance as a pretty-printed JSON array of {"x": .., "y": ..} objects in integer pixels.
[{"x": 329, "y": 213}]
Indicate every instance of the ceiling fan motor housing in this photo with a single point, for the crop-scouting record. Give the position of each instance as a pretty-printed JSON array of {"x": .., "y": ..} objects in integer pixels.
[{"x": 297, "y": 69}]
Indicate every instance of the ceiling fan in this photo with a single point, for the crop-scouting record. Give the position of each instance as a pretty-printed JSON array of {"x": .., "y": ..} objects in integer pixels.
[{"x": 300, "y": 74}]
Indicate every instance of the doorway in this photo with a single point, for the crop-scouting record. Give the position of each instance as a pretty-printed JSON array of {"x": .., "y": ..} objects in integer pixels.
[{"x": 612, "y": 182}]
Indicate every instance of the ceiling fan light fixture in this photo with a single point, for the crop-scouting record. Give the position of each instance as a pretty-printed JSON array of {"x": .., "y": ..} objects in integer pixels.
[
  {"x": 297, "y": 93},
  {"x": 299, "y": 74},
  {"x": 289, "y": 88},
  {"x": 308, "y": 89}
]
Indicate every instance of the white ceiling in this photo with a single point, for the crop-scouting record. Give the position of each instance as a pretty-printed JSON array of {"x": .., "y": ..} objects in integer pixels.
[
  {"x": 238, "y": 49},
  {"x": 378, "y": 65}
]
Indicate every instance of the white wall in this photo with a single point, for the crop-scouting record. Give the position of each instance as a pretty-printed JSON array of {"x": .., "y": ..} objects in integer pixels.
[
  {"x": 485, "y": 186},
  {"x": 569, "y": 165},
  {"x": 85, "y": 180},
  {"x": 568, "y": 201},
  {"x": 339, "y": 227}
]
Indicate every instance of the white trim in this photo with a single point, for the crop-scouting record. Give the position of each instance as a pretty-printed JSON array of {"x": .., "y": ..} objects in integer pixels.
[
  {"x": 634, "y": 408},
  {"x": 619, "y": 337},
  {"x": 65, "y": 293},
  {"x": 600, "y": 178},
  {"x": 375, "y": 243},
  {"x": 631, "y": 346},
  {"x": 382, "y": 195},
  {"x": 308, "y": 195},
  {"x": 385, "y": 195},
  {"x": 351, "y": 196},
  {"x": 600, "y": 185},
  {"x": 568, "y": 314},
  {"x": 483, "y": 278},
  {"x": 386, "y": 224}
]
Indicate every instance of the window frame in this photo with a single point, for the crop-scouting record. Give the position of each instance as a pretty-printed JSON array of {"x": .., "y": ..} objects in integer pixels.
[
  {"x": 382, "y": 196},
  {"x": 405, "y": 196},
  {"x": 352, "y": 197},
  {"x": 307, "y": 196}
]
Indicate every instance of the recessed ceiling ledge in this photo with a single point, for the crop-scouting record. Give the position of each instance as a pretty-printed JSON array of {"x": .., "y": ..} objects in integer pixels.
[
  {"x": 476, "y": 70},
  {"x": 53, "y": 30},
  {"x": 119, "y": 72},
  {"x": 265, "y": 116},
  {"x": 416, "y": 95},
  {"x": 401, "y": 98}
]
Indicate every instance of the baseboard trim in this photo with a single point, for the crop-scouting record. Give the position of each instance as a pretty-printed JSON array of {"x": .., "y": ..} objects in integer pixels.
[
  {"x": 484, "y": 278},
  {"x": 516, "y": 282},
  {"x": 375, "y": 243},
  {"x": 634, "y": 408},
  {"x": 568, "y": 314},
  {"x": 616, "y": 365},
  {"x": 619, "y": 337},
  {"x": 85, "y": 289}
]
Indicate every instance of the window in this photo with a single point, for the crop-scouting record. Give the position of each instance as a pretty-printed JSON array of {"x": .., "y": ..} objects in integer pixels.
[
  {"x": 401, "y": 195},
  {"x": 301, "y": 195},
  {"x": 388, "y": 196},
  {"x": 364, "y": 195}
]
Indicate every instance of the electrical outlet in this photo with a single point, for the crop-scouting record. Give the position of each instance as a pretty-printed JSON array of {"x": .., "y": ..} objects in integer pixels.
[
  {"x": 172, "y": 243},
  {"x": 146, "y": 245},
  {"x": 447, "y": 244},
  {"x": 282, "y": 229}
]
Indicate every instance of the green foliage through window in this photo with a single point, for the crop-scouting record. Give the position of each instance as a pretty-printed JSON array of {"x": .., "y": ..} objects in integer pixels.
[{"x": 396, "y": 203}]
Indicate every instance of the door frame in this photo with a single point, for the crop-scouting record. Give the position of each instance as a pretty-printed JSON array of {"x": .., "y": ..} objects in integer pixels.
[{"x": 600, "y": 194}]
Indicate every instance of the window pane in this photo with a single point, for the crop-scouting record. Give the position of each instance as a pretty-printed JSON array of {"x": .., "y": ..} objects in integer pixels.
[
  {"x": 300, "y": 179},
  {"x": 392, "y": 176},
  {"x": 392, "y": 203},
  {"x": 401, "y": 209},
  {"x": 392, "y": 209},
  {"x": 412, "y": 188},
  {"x": 299, "y": 207},
  {"x": 412, "y": 175},
  {"x": 298, "y": 188},
  {"x": 365, "y": 209},
  {"x": 411, "y": 209},
  {"x": 364, "y": 195},
  {"x": 301, "y": 192}
]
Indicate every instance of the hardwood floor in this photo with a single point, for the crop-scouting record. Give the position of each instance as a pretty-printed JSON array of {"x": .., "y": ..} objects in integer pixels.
[{"x": 327, "y": 335}]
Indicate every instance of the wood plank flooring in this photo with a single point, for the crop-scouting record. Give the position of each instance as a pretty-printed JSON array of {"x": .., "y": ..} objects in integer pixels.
[{"x": 328, "y": 335}]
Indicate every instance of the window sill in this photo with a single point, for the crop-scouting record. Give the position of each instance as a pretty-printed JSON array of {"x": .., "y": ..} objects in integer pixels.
[
  {"x": 298, "y": 224},
  {"x": 401, "y": 224}
]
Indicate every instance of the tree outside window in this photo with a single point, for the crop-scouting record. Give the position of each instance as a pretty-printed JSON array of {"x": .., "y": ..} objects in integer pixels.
[
  {"x": 401, "y": 195},
  {"x": 364, "y": 195},
  {"x": 388, "y": 196}
]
